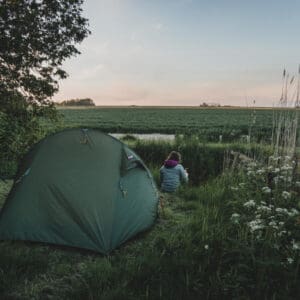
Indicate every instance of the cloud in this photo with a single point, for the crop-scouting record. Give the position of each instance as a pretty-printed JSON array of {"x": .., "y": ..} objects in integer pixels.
[
  {"x": 95, "y": 49},
  {"x": 123, "y": 93},
  {"x": 88, "y": 72},
  {"x": 133, "y": 36},
  {"x": 185, "y": 2},
  {"x": 158, "y": 26}
]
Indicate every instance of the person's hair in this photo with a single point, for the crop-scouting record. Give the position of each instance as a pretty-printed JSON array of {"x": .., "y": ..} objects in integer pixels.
[{"x": 174, "y": 156}]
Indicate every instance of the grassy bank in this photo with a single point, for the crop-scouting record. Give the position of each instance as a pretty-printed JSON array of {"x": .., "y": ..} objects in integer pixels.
[{"x": 203, "y": 160}]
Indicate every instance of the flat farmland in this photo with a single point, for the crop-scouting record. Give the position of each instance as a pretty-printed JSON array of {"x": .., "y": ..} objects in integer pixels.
[{"x": 167, "y": 120}]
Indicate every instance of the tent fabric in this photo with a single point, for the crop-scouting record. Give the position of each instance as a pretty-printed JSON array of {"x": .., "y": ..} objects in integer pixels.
[{"x": 80, "y": 188}]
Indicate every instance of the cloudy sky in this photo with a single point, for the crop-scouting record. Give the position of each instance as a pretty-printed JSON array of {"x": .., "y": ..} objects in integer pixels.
[{"x": 185, "y": 52}]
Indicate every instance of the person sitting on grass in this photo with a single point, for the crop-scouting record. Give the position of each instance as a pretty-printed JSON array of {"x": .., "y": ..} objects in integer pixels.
[{"x": 172, "y": 173}]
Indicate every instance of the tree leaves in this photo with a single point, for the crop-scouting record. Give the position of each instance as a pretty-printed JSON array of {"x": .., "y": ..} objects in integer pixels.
[{"x": 36, "y": 37}]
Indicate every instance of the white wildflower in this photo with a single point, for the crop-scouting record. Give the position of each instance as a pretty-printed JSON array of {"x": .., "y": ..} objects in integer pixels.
[
  {"x": 206, "y": 247},
  {"x": 264, "y": 208},
  {"x": 286, "y": 168},
  {"x": 266, "y": 190},
  {"x": 235, "y": 218},
  {"x": 256, "y": 225},
  {"x": 260, "y": 171},
  {"x": 281, "y": 210},
  {"x": 258, "y": 235},
  {"x": 249, "y": 204},
  {"x": 295, "y": 245},
  {"x": 286, "y": 195},
  {"x": 290, "y": 260},
  {"x": 293, "y": 212},
  {"x": 235, "y": 215},
  {"x": 274, "y": 160},
  {"x": 233, "y": 188},
  {"x": 273, "y": 224},
  {"x": 252, "y": 164},
  {"x": 281, "y": 233}
]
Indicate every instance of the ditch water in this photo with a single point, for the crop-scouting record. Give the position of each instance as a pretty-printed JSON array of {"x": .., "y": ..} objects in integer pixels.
[{"x": 146, "y": 136}]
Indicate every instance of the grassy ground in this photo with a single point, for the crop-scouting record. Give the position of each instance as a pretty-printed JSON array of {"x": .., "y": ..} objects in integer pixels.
[
  {"x": 135, "y": 271},
  {"x": 192, "y": 252}
]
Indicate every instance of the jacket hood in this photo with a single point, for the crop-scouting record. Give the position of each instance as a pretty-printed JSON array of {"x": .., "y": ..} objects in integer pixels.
[{"x": 170, "y": 163}]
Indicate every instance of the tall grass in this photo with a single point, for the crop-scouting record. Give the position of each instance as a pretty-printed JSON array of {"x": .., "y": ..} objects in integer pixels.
[
  {"x": 203, "y": 160},
  {"x": 285, "y": 127}
]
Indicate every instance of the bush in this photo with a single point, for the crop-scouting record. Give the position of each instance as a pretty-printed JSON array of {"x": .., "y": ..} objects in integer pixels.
[{"x": 15, "y": 140}]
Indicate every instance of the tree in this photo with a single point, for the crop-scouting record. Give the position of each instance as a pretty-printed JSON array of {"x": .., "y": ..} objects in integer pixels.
[
  {"x": 77, "y": 102},
  {"x": 36, "y": 36}
]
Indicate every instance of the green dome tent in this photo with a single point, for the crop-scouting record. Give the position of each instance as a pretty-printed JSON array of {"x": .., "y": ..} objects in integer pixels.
[{"x": 80, "y": 188}]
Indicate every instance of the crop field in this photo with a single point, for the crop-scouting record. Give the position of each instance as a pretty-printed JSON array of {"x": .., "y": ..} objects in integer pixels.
[
  {"x": 168, "y": 120},
  {"x": 208, "y": 123}
]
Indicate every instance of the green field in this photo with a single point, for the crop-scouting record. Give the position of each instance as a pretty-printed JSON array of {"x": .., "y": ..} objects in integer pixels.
[
  {"x": 232, "y": 233},
  {"x": 209, "y": 121}
]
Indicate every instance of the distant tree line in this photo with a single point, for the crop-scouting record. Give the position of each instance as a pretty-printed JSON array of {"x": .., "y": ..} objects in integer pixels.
[
  {"x": 77, "y": 102},
  {"x": 206, "y": 104}
]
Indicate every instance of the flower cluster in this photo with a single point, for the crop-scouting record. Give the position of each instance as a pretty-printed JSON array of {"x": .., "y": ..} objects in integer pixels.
[{"x": 267, "y": 203}]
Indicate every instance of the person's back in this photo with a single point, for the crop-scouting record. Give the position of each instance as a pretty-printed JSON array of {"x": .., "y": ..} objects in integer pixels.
[{"x": 172, "y": 173}]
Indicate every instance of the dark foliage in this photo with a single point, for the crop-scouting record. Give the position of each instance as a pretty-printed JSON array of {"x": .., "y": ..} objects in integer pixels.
[
  {"x": 36, "y": 37},
  {"x": 77, "y": 102}
]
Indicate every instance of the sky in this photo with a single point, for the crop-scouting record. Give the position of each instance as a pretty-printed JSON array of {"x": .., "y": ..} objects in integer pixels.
[{"x": 185, "y": 52}]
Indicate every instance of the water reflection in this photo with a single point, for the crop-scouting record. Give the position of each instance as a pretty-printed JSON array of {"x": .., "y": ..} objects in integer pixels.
[{"x": 145, "y": 136}]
